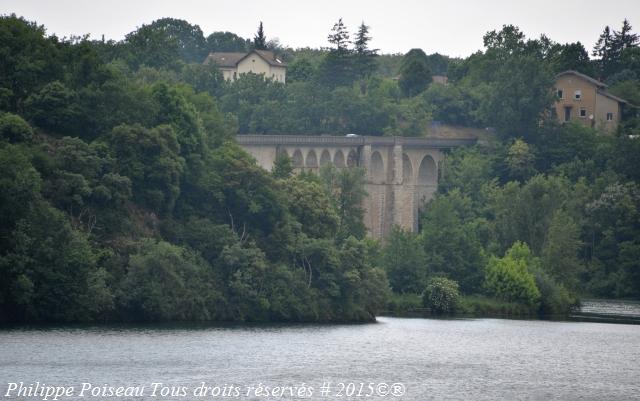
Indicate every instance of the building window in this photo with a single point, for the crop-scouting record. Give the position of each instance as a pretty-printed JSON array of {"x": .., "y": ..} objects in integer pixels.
[
  {"x": 567, "y": 113},
  {"x": 609, "y": 116},
  {"x": 560, "y": 93},
  {"x": 583, "y": 112},
  {"x": 577, "y": 95}
]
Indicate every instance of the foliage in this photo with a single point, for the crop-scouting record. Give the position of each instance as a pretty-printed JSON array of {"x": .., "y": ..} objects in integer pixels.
[
  {"x": 260, "y": 40},
  {"x": 124, "y": 196},
  {"x": 441, "y": 295},
  {"x": 450, "y": 237},
  {"x": 520, "y": 161},
  {"x": 14, "y": 129},
  {"x": 346, "y": 187},
  {"x": 404, "y": 303},
  {"x": 282, "y": 166},
  {"x": 415, "y": 75},
  {"x": 404, "y": 261},
  {"x": 481, "y": 305},
  {"x": 226, "y": 42},
  {"x": 508, "y": 278},
  {"x": 167, "y": 282}
]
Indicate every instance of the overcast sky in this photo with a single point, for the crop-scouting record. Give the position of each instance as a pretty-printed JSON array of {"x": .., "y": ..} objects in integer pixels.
[{"x": 453, "y": 28}]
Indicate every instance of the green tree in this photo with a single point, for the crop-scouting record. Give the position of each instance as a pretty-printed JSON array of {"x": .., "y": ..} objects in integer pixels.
[
  {"x": 260, "y": 40},
  {"x": 151, "y": 159},
  {"x": 441, "y": 295},
  {"x": 572, "y": 56},
  {"x": 54, "y": 108},
  {"x": 282, "y": 166},
  {"x": 226, "y": 42},
  {"x": 346, "y": 187},
  {"x": 468, "y": 170},
  {"x": 45, "y": 269},
  {"x": 415, "y": 75},
  {"x": 337, "y": 66},
  {"x": 311, "y": 206},
  {"x": 365, "y": 62},
  {"x": 14, "y": 129},
  {"x": 301, "y": 69},
  {"x": 519, "y": 97},
  {"x": 559, "y": 254},
  {"x": 29, "y": 60},
  {"x": 524, "y": 213},
  {"x": 339, "y": 37},
  {"x": 451, "y": 242},
  {"x": 164, "y": 42},
  {"x": 404, "y": 261},
  {"x": 167, "y": 282},
  {"x": 520, "y": 160},
  {"x": 509, "y": 278}
]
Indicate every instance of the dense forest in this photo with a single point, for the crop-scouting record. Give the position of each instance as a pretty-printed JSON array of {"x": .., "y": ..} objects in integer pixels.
[{"x": 125, "y": 198}]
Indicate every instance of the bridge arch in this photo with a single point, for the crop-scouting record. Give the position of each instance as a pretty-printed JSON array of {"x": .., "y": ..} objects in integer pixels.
[
  {"x": 325, "y": 157},
  {"x": 428, "y": 172},
  {"x": 297, "y": 159},
  {"x": 338, "y": 159},
  {"x": 407, "y": 170},
  {"x": 352, "y": 159},
  {"x": 312, "y": 159},
  {"x": 377, "y": 168}
]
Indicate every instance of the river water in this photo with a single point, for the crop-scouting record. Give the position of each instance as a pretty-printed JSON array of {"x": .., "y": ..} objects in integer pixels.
[{"x": 470, "y": 359}]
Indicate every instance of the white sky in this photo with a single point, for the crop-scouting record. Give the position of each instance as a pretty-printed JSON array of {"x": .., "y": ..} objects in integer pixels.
[{"x": 453, "y": 27}]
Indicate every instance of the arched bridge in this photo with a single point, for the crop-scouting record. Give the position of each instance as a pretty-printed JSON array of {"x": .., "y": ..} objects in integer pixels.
[{"x": 401, "y": 173}]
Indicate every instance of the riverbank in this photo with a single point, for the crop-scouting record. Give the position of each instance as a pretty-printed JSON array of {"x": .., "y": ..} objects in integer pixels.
[{"x": 588, "y": 310}]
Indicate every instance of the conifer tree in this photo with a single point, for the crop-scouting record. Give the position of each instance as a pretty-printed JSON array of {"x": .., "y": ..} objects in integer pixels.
[
  {"x": 339, "y": 37},
  {"x": 623, "y": 39},
  {"x": 260, "y": 40},
  {"x": 603, "y": 50},
  {"x": 364, "y": 57}
]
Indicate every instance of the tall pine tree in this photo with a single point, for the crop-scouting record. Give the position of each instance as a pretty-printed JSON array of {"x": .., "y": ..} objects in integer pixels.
[
  {"x": 603, "y": 51},
  {"x": 260, "y": 40},
  {"x": 623, "y": 39},
  {"x": 337, "y": 66},
  {"x": 339, "y": 37},
  {"x": 365, "y": 63}
]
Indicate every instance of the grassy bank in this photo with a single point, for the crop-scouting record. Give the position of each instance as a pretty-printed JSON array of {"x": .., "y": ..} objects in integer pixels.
[{"x": 470, "y": 305}]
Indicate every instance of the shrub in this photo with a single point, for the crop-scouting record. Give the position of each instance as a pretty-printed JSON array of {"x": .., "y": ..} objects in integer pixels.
[
  {"x": 14, "y": 129},
  {"x": 508, "y": 278},
  {"x": 403, "y": 303},
  {"x": 441, "y": 295}
]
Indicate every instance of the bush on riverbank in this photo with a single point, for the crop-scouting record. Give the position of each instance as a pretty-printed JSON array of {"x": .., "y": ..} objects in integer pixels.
[{"x": 441, "y": 295}]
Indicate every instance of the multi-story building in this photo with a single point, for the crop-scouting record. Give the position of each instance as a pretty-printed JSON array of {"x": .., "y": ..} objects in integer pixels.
[
  {"x": 586, "y": 100},
  {"x": 262, "y": 62}
]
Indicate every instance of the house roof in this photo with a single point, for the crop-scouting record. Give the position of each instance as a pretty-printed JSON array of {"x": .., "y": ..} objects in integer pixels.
[
  {"x": 610, "y": 96},
  {"x": 601, "y": 86},
  {"x": 224, "y": 59},
  {"x": 270, "y": 57},
  {"x": 231, "y": 60},
  {"x": 583, "y": 76}
]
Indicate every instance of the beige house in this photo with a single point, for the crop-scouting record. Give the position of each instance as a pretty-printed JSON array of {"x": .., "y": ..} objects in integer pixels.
[
  {"x": 586, "y": 100},
  {"x": 440, "y": 79},
  {"x": 263, "y": 62}
]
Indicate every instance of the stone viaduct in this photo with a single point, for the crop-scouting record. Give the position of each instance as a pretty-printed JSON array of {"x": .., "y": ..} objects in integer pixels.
[{"x": 401, "y": 173}]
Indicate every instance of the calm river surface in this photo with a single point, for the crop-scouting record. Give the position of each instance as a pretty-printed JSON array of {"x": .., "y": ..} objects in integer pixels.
[{"x": 467, "y": 359}]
